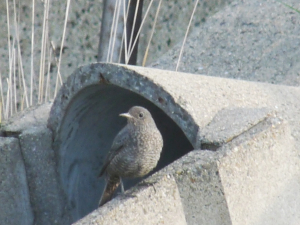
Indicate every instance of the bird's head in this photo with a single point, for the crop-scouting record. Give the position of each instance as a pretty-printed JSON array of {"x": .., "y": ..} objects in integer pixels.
[{"x": 138, "y": 115}]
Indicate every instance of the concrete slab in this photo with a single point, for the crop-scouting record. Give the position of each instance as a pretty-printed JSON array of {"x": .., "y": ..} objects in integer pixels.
[
  {"x": 200, "y": 187},
  {"x": 260, "y": 173},
  {"x": 158, "y": 203},
  {"x": 48, "y": 201},
  {"x": 197, "y": 104},
  {"x": 252, "y": 179},
  {"x": 31, "y": 117},
  {"x": 230, "y": 123}
]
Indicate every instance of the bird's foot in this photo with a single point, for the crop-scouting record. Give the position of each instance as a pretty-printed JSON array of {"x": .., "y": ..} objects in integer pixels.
[
  {"x": 147, "y": 184},
  {"x": 126, "y": 195}
]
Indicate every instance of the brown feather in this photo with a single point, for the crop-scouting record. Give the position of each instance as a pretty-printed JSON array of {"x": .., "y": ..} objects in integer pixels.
[{"x": 111, "y": 185}]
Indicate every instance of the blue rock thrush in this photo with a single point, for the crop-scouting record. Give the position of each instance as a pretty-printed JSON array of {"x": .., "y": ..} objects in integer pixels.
[{"x": 135, "y": 151}]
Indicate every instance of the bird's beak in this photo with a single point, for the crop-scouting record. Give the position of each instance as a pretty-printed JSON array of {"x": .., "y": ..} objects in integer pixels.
[{"x": 127, "y": 115}]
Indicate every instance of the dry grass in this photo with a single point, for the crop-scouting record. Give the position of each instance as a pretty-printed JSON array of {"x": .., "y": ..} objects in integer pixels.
[{"x": 19, "y": 92}]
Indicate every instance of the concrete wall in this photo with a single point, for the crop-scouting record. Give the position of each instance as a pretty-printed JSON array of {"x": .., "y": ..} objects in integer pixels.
[{"x": 246, "y": 171}]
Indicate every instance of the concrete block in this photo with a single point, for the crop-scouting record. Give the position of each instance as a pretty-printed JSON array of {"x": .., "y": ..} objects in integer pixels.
[
  {"x": 30, "y": 117},
  {"x": 260, "y": 173},
  {"x": 253, "y": 179},
  {"x": 15, "y": 205},
  {"x": 84, "y": 126},
  {"x": 228, "y": 123},
  {"x": 200, "y": 188},
  {"x": 157, "y": 203},
  {"x": 47, "y": 198},
  {"x": 207, "y": 110}
]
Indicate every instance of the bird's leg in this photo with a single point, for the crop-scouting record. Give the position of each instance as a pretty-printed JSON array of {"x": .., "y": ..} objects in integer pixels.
[
  {"x": 123, "y": 194},
  {"x": 122, "y": 186}
]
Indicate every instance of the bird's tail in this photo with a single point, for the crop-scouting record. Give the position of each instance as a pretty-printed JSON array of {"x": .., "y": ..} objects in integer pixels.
[{"x": 111, "y": 185}]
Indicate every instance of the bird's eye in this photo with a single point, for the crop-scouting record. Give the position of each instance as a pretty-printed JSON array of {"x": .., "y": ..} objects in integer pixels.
[{"x": 141, "y": 115}]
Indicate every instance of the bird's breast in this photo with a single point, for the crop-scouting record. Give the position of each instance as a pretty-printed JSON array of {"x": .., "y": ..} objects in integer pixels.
[{"x": 139, "y": 156}]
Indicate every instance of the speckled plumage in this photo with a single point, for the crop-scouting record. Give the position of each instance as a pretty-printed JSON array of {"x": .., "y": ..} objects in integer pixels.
[{"x": 135, "y": 151}]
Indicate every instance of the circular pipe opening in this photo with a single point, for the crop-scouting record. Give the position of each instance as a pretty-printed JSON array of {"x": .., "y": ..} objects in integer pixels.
[{"x": 86, "y": 133}]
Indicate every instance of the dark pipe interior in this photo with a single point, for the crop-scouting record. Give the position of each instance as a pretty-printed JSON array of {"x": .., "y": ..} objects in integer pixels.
[{"x": 86, "y": 134}]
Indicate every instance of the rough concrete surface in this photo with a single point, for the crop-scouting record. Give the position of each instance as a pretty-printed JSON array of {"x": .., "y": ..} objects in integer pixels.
[
  {"x": 46, "y": 195},
  {"x": 253, "y": 179},
  {"x": 195, "y": 103},
  {"x": 200, "y": 187},
  {"x": 215, "y": 94},
  {"x": 157, "y": 203},
  {"x": 84, "y": 126},
  {"x": 229, "y": 123},
  {"x": 33, "y": 117},
  {"x": 172, "y": 22},
  {"x": 259, "y": 171},
  {"x": 34, "y": 141},
  {"x": 250, "y": 40},
  {"x": 177, "y": 95},
  {"x": 15, "y": 207}
]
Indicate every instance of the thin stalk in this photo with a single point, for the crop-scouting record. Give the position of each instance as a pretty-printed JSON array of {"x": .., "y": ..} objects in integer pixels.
[
  {"x": 115, "y": 22},
  {"x": 134, "y": 21},
  {"x": 15, "y": 86},
  {"x": 289, "y": 6},
  {"x": 109, "y": 51},
  {"x": 186, "y": 33},
  {"x": 125, "y": 12},
  {"x": 7, "y": 99},
  {"x": 43, "y": 53},
  {"x": 139, "y": 31},
  {"x": 11, "y": 84},
  {"x": 46, "y": 46},
  {"x": 47, "y": 96},
  {"x": 152, "y": 32},
  {"x": 58, "y": 77},
  {"x": 125, "y": 28},
  {"x": 32, "y": 52},
  {"x": 8, "y": 31},
  {"x": 2, "y": 97},
  {"x": 20, "y": 56}
]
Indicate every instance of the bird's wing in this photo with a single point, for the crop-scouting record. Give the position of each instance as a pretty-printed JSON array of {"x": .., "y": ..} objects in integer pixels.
[{"x": 117, "y": 146}]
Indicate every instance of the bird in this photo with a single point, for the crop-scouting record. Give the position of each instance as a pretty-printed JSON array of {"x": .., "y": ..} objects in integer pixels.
[{"x": 135, "y": 151}]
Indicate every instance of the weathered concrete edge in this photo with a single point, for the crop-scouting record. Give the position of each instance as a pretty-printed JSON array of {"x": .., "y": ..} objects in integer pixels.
[
  {"x": 103, "y": 74},
  {"x": 31, "y": 124},
  {"x": 231, "y": 122},
  {"x": 31, "y": 117},
  {"x": 251, "y": 164},
  {"x": 197, "y": 179},
  {"x": 200, "y": 163},
  {"x": 155, "y": 203}
]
